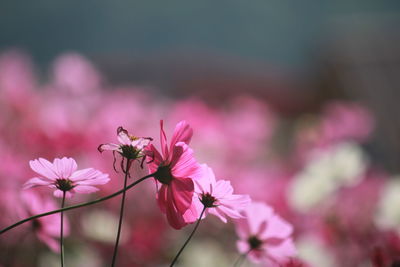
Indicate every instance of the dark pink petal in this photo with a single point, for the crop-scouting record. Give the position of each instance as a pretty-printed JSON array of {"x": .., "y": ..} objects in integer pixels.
[
  {"x": 37, "y": 181},
  {"x": 182, "y": 133},
  {"x": 163, "y": 140},
  {"x": 162, "y": 198},
  {"x": 44, "y": 168},
  {"x": 174, "y": 217},
  {"x": 155, "y": 158},
  {"x": 181, "y": 190},
  {"x": 183, "y": 163}
]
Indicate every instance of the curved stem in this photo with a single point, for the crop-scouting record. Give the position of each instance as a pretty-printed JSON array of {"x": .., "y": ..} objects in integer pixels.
[
  {"x": 62, "y": 231},
  {"x": 76, "y": 206},
  {"x": 190, "y": 236},
  {"x": 121, "y": 214}
]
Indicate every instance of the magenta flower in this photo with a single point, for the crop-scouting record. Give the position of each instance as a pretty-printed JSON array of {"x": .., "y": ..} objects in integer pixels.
[
  {"x": 46, "y": 228},
  {"x": 218, "y": 197},
  {"x": 264, "y": 236},
  {"x": 174, "y": 168},
  {"x": 63, "y": 176}
]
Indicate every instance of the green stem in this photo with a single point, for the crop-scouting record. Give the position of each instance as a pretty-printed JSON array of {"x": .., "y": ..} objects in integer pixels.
[
  {"x": 240, "y": 259},
  {"x": 121, "y": 214},
  {"x": 62, "y": 230},
  {"x": 76, "y": 206},
  {"x": 190, "y": 236}
]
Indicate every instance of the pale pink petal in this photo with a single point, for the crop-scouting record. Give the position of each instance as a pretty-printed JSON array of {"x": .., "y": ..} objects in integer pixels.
[
  {"x": 85, "y": 189},
  {"x": 218, "y": 213},
  {"x": 110, "y": 146},
  {"x": 58, "y": 193},
  {"x": 182, "y": 192},
  {"x": 257, "y": 213},
  {"x": 123, "y": 136},
  {"x": 191, "y": 214},
  {"x": 89, "y": 176},
  {"x": 242, "y": 246},
  {"x": 64, "y": 167},
  {"x": 277, "y": 228},
  {"x": 36, "y": 181},
  {"x": 44, "y": 168},
  {"x": 283, "y": 252},
  {"x": 182, "y": 133},
  {"x": 231, "y": 212}
]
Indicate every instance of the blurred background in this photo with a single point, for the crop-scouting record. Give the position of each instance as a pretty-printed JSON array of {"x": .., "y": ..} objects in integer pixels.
[
  {"x": 294, "y": 77},
  {"x": 295, "y": 54}
]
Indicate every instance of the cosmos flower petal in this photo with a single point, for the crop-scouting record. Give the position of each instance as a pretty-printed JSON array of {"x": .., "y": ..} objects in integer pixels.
[
  {"x": 64, "y": 167},
  {"x": 281, "y": 252},
  {"x": 182, "y": 192},
  {"x": 163, "y": 140},
  {"x": 162, "y": 198},
  {"x": 182, "y": 133},
  {"x": 89, "y": 176},
  {"x": 44, "y": 168},
  {"x": 183, "y": 163},
  {"x": 36, "y": 181},
  {"x": 123, "y": 137},
  {"x": 174, "y": 217},
  {"x": 109, "y": 146},
  {"x": 85, "y": 189},
  {"x": 58, "y": 193},
  {"x": 218, "y": 212},
  {"x": 277, "y": 227}
]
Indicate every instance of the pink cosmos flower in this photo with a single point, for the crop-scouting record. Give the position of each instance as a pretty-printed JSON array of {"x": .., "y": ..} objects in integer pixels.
[
  {"x": 264, "y": 236},
  {"x": 218, "y": 196},
  {"x": 47, "y": 228},
  {"x": 130, "y": 147},
  {"x": 63, "y": 175},
  {"x": 174, "y": 168}
]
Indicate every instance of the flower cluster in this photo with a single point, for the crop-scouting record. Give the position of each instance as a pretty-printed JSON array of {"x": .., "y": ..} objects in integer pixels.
[{"x": 341, "y": 203}]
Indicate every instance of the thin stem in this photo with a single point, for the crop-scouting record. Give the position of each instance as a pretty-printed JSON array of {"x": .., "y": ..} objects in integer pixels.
[
  {"x": 121, "y": 214},
  {"x": 62, "y": 230},
  {"x": 240, "y": 259},
  {"x": 76, "y": 206},
  {"x": 190, "y": 236}
]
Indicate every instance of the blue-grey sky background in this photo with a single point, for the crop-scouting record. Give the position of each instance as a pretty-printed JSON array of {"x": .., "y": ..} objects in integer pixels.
[{"x": 283, "y": 33}]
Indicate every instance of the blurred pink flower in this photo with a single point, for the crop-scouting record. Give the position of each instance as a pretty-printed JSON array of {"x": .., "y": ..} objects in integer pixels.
[
  {"x": 175, "y": 168},
  {"x": 46, "y": 228},
  {"x": 62, "y": 175},
  {"x": 218, "y": 196},
  {"x": 265, "y": 236},
  {"x": 345, "y": 120},
  {"x": 74, "y": 74}
]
